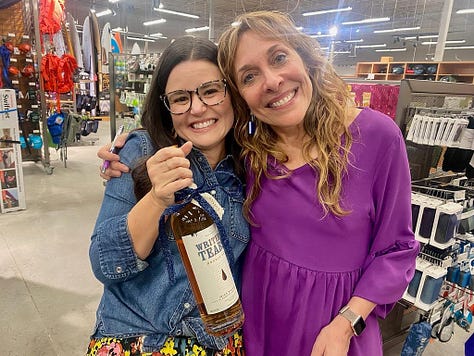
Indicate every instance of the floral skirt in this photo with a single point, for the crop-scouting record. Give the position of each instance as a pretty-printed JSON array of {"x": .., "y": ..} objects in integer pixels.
[{"x": 174, "y": 346}]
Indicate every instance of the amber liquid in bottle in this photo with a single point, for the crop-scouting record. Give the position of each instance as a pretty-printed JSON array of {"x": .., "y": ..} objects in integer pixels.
[{"x": 208, "y": 270}]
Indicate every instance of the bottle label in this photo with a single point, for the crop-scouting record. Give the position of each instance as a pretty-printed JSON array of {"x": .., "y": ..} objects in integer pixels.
[{"x": 211, "y": 269}]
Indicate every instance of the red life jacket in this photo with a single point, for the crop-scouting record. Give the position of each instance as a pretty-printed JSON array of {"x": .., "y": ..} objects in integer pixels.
[{"x": 51, "y": 15}]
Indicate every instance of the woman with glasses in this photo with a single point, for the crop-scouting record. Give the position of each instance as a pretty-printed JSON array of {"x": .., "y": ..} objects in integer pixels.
[{"x": 147, "y": 307}]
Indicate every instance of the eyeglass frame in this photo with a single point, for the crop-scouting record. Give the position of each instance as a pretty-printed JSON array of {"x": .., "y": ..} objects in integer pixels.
[{"x": 164, "y": 97}]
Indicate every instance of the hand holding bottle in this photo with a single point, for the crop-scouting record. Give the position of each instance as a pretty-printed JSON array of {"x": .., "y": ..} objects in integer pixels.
[{"x": 169, "y": 171}]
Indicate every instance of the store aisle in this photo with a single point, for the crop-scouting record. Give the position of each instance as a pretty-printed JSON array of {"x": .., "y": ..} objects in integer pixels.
[{"x": 48, "y": 295}]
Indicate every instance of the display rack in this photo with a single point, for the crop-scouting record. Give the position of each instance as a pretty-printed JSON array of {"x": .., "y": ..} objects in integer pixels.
[
  {"x": 435, "y": 71},
  {"x": 130, "y": 79},
  {"x": 429, "y": 94}
]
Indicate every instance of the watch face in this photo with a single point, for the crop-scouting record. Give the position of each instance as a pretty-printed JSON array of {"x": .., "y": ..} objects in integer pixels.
[{"x": 359, "y": 326}]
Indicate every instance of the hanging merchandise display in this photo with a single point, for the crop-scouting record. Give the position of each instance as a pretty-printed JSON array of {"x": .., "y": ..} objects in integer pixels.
[{"x": 51, "y": 16}]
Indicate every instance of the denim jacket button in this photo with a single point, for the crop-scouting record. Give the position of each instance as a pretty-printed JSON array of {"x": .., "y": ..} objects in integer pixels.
[
  {"x": 187, "y": 305},
  {"x": 179, "y": 332},
  {"x": 213, "y": 192},
  {"x": 118, "y": 269}
]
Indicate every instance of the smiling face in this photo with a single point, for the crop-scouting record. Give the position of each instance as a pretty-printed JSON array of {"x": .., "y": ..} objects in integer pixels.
[
  {"x": 205, "y": 126},
  {"x": 273, "y": 80}
]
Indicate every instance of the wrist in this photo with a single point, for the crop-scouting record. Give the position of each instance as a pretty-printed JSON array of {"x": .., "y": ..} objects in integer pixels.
[
  {"x": 356, "y": 321},
  {"x": 156, "y": 200}
]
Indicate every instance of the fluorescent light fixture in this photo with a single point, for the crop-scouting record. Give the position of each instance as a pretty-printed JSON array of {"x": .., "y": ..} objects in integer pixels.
[
  {"x": 447, "y": 42},
  {"x": 140, "y": 39},
  {"x": 321, "y": 36},
  {"x": 113, "y": 1},
  {"x": 119, "y": 29},
  {"x": 398, "y": 29},
  {"x": 460, "y": 47},
  {"x": 391, "y": 50},
  {"x": 299, "y": 28},
  {"x": 235, "y": 23},
  {"x": 372, "y": 46},
  {"x": 465, "y": 11},
  {"x": 424, "y": 36},
  {"x": 154, "y": 22},
  {"x": 176, "y": 13},
  {"x": 104, "y": 13},
  {"x": 197, "y": 29},
  {"x": 320, "y": 12},
  {"x": 333, "y": 31},
  {"x": 355, "y": 41},
  {"x": 158, "y": 35},
  {"x": 341, "y": 52},
  {"x": 365, "y": 21}
]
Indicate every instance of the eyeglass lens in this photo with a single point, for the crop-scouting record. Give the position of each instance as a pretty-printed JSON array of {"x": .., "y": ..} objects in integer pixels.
[{"x": 210, "y": 93}]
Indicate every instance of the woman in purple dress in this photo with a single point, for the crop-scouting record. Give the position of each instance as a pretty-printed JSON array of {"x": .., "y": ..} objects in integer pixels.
[{"x": 328, "y": 195}]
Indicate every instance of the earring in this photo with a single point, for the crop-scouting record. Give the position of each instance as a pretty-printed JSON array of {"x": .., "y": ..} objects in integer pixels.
[{"x": 251, "y": 124}]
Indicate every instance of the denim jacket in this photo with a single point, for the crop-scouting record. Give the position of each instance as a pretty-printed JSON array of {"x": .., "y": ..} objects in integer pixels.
[{"x": 140, "y": 298}]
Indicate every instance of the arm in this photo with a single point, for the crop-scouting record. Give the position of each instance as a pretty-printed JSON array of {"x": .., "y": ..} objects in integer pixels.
[
  {"x": 126, "y": 230},
  {"x": 390, "y": 262}
]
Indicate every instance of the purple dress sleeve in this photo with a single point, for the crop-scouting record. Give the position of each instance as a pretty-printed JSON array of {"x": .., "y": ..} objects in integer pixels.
[{"x": 390, "y": 263}]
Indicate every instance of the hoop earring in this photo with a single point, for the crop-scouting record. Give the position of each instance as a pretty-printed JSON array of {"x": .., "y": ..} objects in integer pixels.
[{"x": 251, "y": 124}]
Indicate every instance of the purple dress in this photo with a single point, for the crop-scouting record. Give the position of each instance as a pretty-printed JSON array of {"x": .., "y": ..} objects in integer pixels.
[{"x": 301, "y": 268}]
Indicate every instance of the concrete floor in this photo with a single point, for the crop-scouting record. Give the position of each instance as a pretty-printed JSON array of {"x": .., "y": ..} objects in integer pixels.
[{"x": 48, "y": 294}]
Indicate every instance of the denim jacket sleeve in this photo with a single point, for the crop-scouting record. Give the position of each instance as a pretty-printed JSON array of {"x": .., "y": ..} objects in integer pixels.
[{"x": 111, "y": 252}]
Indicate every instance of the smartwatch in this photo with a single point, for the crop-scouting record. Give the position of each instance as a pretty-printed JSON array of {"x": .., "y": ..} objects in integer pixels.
[{"x": 357, "y": 322}]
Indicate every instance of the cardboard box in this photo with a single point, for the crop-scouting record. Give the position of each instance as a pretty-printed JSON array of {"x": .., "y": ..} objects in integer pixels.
[
  {"x": 386, "y": 59},
  {"x": 12, "y": 189}
]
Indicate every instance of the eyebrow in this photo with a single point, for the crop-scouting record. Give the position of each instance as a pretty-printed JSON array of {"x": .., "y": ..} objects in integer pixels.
[{"x": 248, "y": 66}]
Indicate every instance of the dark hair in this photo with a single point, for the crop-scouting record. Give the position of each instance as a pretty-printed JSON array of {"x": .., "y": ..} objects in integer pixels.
[{"x": 156, "y": 118}]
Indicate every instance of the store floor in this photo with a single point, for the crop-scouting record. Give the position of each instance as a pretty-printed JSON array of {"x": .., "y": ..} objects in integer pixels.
[{"x": 48, "y": 294}]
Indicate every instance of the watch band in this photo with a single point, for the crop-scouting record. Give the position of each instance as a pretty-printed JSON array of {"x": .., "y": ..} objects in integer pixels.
[{"x": 357, "y": 322}]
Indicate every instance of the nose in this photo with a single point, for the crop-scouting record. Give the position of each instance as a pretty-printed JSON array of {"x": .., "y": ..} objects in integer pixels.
[
  {"x": 272, "y": 81},
  {"x": 197, "y": 106}
]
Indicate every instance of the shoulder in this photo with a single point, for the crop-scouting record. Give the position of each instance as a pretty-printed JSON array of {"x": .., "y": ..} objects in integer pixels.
[
  {"x": 137, "y": 146},
  {"x": 374, "y": 126}
]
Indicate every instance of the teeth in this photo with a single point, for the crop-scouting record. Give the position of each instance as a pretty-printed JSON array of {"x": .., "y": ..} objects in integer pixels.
[
  {"x": 284, "y": 100},
  {"x": 202, "y": 125}
]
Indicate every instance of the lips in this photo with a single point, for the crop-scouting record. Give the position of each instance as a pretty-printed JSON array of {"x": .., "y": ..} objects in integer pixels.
[
  {"x": 203, "y": 124},
  {"x": 284, "y": 100}
]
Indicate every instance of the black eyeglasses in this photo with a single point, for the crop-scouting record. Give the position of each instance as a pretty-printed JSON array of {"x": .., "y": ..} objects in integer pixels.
[{"x": 210, "y": 93}]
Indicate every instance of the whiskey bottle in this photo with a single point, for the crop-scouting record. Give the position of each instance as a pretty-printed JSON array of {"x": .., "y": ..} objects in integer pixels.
[{"x": 208, "y": 269}]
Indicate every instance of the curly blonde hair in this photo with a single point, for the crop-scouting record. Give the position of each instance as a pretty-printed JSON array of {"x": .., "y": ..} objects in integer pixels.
[{"x": 324, "y": 122}]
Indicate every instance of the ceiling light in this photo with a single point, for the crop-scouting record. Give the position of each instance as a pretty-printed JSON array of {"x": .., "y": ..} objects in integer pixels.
[
  {"x": 354, "y": 41},
  {"x": 364, "y": 21},
  {"x": 103, "y": 13},
  {"x": 321, "y": 36},
  {"x": 391, "y": 50},
  {"x": 446, "y": 42},
  {"x": 140, "y": 39},
  {"x": 371, "y": 46},
  {"x": 197, "y": 29},
  {"x": 235, "y": 23},
  {"x": 460, "y": 47},
  {"x": 465, "y": 11},
  {"x": 176, "y": 13},
  {"x": 320, "y": 12},
  {"x": 158, "y": 35},
  {"x": 415, "y": 37},
  {"x": 113, "y": 1},
  {"x": 154, "y": 22},
  {"x": 398, "y": 29},
  {"x": 120, "y": 29}
]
